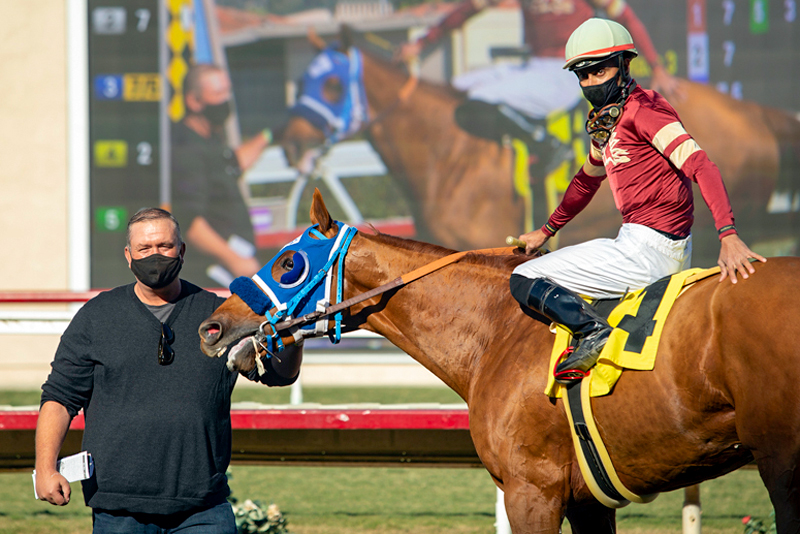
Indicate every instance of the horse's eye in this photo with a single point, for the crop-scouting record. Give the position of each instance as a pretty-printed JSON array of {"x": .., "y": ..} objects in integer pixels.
[{"x": 294, "y": 269}]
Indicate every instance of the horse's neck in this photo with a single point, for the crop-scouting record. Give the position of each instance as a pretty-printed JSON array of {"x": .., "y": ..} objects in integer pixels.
[
  {"x": 420, "y": 142},
  {"x": 426, "y": 115},
  {"x": 445, "y": 320}
]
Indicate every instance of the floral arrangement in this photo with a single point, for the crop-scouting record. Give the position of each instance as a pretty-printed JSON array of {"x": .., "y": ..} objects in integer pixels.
[
  {"x": 252, "y": 518},
  {"x": 753, "y": 525}
]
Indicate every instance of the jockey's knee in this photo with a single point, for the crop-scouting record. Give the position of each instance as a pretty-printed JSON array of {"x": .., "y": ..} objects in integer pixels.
[
  {"x": 478, "y": 118},
  {"x": 520, "y": 287}
]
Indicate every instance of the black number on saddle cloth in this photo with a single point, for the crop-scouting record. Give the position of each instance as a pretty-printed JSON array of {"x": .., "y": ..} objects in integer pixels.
[{"x": 642, "y": 326}]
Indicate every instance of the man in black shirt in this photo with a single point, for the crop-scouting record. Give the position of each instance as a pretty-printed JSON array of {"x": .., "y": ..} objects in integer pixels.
[
  {"x": 157, "y": 410},
  {"x": 205, "y": 181}
]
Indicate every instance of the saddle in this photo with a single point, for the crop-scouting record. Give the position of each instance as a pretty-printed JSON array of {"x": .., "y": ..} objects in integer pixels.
[{"x": 637, "y": 319}]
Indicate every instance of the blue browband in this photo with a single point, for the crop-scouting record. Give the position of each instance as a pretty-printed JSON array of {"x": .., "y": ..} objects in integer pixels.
[{"x": 304, "y": 289}]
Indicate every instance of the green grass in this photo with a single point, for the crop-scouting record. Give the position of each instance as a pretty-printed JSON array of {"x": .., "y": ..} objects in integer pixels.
[{"x": 332, "y": 500}]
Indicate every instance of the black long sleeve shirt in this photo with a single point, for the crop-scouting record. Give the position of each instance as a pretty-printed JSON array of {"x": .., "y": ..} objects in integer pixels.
[{"x": 160, "y": 435}]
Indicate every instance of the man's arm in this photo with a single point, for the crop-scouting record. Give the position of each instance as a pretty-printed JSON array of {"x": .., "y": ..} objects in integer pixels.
[
  {"x": 579, "y": 193},
  {"x": 453, "y": 20},
  {"x": 203, "y": 236},
  {"x": 281, "y": 369},
  {"x": 51, "y": 429},
  {"x": 249, "y": 151},
  {"x": 673, "y": 141}
]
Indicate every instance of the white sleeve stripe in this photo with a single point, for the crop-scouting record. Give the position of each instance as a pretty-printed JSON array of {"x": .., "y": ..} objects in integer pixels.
[
  {"x": 683, "y": 151},
  {"x": 593, "y": 170},
  {"x": 667, "y": 135}
]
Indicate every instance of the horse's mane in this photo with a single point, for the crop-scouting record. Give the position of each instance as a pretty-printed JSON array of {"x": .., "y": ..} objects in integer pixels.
[
  {"x": 503, "y": 263},
  {"x": 444, "y": 90}
]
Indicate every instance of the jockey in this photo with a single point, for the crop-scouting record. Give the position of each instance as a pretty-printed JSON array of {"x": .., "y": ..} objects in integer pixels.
[
  {"x": 640, "y": 145},
  {"x": 519, "y": 98}
]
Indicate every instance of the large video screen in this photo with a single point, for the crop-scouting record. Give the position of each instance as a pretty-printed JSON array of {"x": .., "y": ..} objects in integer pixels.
[{"x": 230, "y": 113}]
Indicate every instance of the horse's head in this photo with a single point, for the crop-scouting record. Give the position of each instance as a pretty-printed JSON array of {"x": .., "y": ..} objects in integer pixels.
[
  {"x": 297, "y": 282},
  {"x": 332, "y": 103}
]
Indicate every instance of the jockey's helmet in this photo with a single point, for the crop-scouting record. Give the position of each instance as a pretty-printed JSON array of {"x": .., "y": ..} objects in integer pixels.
[{"x": 595, "y": 41}]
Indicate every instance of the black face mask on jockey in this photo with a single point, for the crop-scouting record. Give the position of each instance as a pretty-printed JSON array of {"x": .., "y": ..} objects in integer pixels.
[
  {"x": 603, "y": 94},
  {"x": 607, "y": 100}
]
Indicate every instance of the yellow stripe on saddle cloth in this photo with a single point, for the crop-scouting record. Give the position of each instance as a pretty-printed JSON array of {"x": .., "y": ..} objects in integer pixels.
[{"x": 638, "y": 321}]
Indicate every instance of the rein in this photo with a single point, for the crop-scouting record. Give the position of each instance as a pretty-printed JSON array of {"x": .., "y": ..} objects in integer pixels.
[{"x": 400, "y": 281}]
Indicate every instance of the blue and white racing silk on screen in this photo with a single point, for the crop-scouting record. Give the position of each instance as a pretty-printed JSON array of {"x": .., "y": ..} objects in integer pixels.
[{"x": 337, "y": 119}]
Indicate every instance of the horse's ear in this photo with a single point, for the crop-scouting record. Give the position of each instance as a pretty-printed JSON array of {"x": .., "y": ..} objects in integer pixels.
[{"x": 320, "y": 216}]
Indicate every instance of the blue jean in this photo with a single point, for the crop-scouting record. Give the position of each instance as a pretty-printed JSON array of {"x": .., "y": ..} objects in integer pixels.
[{"x": 215, "y": 520}]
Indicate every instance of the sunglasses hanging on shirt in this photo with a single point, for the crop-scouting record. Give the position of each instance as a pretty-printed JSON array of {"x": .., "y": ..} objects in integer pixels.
[{"x": 165, "y": 352}]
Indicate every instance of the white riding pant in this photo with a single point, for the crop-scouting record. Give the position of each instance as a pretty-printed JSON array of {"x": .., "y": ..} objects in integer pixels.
[
  {"x": 608, "y": 268},
  {"x": 535, "y": 88}
]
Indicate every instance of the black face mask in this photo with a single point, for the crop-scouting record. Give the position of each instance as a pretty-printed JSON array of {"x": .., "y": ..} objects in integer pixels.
[
  {"x": 156, "y": 270},
  {"x": 603, "y": 94},
  {"x": 217, "y": 114}
]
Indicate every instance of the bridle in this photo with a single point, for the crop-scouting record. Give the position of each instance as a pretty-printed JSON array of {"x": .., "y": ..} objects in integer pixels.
[
  {"x": 269, "y": 341},
  {"x": 403, "y": 94}
]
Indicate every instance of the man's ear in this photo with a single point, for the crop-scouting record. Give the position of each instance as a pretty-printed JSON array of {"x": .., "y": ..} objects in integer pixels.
[
  {"x": 128, "y": 256},
  {"x": 183, "y": 251},
  {"x": 193, "y": 103}
]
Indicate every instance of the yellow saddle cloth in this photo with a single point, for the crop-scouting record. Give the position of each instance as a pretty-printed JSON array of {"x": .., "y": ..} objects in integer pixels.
[{"x": 638, "y": 321}]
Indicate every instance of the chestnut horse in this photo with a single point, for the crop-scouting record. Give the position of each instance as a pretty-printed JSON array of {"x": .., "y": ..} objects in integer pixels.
[
  {"x": 460, "y": 187},
  {"x": 723, "y": 391}
]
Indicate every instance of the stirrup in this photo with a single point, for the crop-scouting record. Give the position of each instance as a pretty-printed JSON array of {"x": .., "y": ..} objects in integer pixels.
[{"x": 568, "y": 376}]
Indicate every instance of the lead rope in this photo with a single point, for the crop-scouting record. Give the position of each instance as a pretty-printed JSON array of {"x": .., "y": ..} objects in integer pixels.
[{"x": 396, "y": 283}]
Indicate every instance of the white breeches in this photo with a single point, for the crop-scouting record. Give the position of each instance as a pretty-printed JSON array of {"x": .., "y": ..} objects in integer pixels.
[
  {"x": 535, "y": 88},
  {"x": 607, "y": 268}
]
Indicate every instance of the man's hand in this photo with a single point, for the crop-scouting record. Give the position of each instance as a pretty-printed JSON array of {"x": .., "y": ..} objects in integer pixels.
[
  {"x": 239, "y": 266},
  {"x": 409, "y": 51},
  {"x": 534, "y": 240},
  {"x": 666, "y": 84},
  {"x": 734, "y": 256},
  {"x": 52, "y": 487}
]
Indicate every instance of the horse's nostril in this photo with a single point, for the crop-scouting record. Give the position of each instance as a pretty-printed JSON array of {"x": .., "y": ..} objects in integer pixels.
[{"x": 211, "y": 331}]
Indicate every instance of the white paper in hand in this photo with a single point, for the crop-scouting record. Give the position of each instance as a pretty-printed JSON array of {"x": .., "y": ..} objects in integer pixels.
[{"x": 76, "y": 467}]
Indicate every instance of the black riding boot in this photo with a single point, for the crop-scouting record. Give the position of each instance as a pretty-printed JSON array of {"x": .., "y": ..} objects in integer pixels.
[{"x": 568, "y": 309}]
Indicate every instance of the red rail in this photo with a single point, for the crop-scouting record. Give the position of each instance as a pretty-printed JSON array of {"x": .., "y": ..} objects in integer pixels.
[
  {"x": 46, "y": 297},
  {"x": 288, "y": 418}
]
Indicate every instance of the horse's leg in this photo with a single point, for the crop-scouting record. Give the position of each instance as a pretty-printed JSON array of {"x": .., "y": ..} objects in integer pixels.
[
  {"x": 592, "y": 518},
  {"x": 782, "y": 479},
  {"x": 532, "y": 510}
]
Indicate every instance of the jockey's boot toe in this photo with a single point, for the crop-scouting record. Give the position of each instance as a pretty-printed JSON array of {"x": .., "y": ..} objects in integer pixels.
[
  {"x": 583, "y": 358},
  {"x": 566, "y": 308}
]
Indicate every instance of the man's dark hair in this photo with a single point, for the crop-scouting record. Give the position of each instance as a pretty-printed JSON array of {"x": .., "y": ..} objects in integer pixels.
[
  {"x": 192, "y": 84},
  {"x": 151, "y": 214}
]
